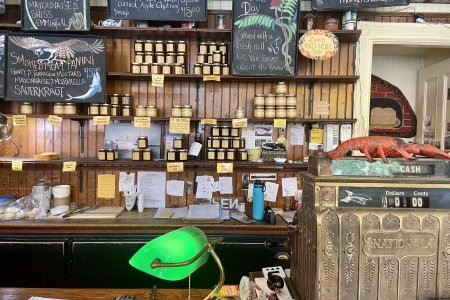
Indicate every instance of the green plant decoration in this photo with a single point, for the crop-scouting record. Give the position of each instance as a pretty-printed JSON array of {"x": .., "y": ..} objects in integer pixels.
[{"x": 285, "y": 16}]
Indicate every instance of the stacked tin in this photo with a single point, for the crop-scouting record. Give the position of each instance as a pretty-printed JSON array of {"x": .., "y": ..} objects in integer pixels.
[
  {"x": 279, "y": 105},
  {"x": 212, "y": 59},
  {"x": 225, "y": 143},
  {"x": 115, "y": 105}
]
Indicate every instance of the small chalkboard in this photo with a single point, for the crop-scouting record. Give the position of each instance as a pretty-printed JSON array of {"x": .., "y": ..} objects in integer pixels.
[
  {"x": 354, "y": 4},
  {"x": 265, "y": 37},
  {"x": 51, "y": 15},
  {"x": 2, "y": 7},
  {"x": 55, "y": 68},
  {"x": 2, "y": 63},
  {"x": 164, "y": 10}
]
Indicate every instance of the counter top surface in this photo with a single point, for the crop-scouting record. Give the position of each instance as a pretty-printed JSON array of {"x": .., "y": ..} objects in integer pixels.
[{"x": 132, "y": 222}]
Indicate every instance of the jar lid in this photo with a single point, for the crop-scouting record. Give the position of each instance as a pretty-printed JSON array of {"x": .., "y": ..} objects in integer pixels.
[
  {"x": 176, "y": 106},
  {"x": 281, "y": 107},
  {"x": 225, "y": 65},
  {"x": 102, "y": 150},
  {"x": 206, "y": 65},
  {"x": 172, "y": 150},
  {"x": 115, "y": 105},
  {"x": 217, "y": 52},
  {"x": 115, "y": 95},
  {"x": 270, "y": 95},
  {"x": 186, "y": 106},
  {"x": 291, "y": 95},
  {"x": 138, "y": 41},
  {"x": 126, "y": 106},
  {"x": 181, "y": 42},
  {"x": 216, "y": 138},
  {"x": 215, "y": 126},
  {"x": 59, "y": 103},
  {"x": 181, "y": 53},
  {"x": 240, "y": 107},
  {"x": 160, "y": 53},
  {"x": 203, "y": 43},
  {"x": 138, "y": 53},
  {"x": 211, "y": 150},
  {"x": 236, "y": 138},
  {"x": 149, "y": 41},
  {"x": 226, "y": 126},
  {"x": 26, "y": 103},
  {"x": 260, "y": 107},
  {"x": 231, "y": 150},
  {"x": 126, "y": 95},
  {"x": 170, "y": 54},
  {"x": 169, "y": 42},
  {"x": 94, "y": 104},
  {"x": 212, "y": 44},
  {"x": 147, "y": 150},
  {"x": 220, "y": 150},
  {"x": 216, "y": 64},
  {"x": 242, "y": 150},
  {"x": 105, "y": 104},
  {"x": 142, "y": 137},
  {"x": 159, "y": 41},
  {"x": 151, "y": 106},
  {"x": 177, "y": 139},
  {"x": 155, "y": 64},
  {"x": 167, "y": 64},
  {"x": 71, "y": 104},
  {"x": 222, "y": 44},
  {"x": 136, "y": 150},
  {"x": 259, "y": 95},
  {"x": 109, "y": 150},
  {"x": 182, "y": 150},
  {"x": 141, "y": 106},
  {"x": 197, "y": 65},
  {"x": 281, "y": 83}
]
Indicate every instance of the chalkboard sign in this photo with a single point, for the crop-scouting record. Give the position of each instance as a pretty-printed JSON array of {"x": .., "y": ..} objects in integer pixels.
[
  {"x": 265, "y": 37},
  {"x": 354, "y": 4},
  {"x": 51, "y": 15},
  {"x": 2, "y": 6},
  {"x": 167, "y": 10},
  {"x": 55, "y": 68},
  {"x": 2, "y": 63}
]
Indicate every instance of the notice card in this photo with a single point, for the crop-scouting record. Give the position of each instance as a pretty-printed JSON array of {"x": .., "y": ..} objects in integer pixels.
[
  {"x": 106, "y": 186},
  {"x": 289, "y": 186},
  {"x": 126, "y": 181},
  {"x": 297, "y": 135},
  {"x": 271, "y": 192},
  {"x": 153, "y": 186},
  {"x": 226, "y": 185},
  {"x": 175, "y": 188}
]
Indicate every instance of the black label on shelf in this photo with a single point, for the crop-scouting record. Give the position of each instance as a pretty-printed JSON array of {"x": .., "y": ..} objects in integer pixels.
[
  {"x": 265, "y": 37},
  {"x": 354, "y": 4},
  {"x": 167, "y": 10},
  {"x": 51, "y": 15},
  {"x": 55, "y": 68}
]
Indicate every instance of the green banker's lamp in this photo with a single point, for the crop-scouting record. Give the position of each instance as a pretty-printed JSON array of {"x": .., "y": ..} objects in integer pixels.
[{"x": 178, "y": 254}]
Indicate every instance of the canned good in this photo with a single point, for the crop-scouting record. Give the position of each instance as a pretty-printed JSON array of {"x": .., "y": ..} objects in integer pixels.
[
  {"x": 110, "y": 154},
  {"x": 26, "y": 108},
  {"x": 114, "y": 99},
  {"x": 234, "y": 132},
  {"x": 216, "y": 142},
  {"x": 148, "y": 57},
  {"x": 178, "y": 69},
  {"x": 225, "y": 143},
  {"x": 197, "y": 69},
  {"x": 58, "y": 108},
  {"x": 217, "y": 56},
  {"x": 220, "y": 154},
  {"x": 236, "y": 143},
  {"x": 212, "y": 47},
  {"x": 105, "y": 109},
  {"x": 206, "y": 69},
  {"x": 280, "y": 112},
  {"x": 269, "y": 100},
  {"x": 149, "y": 46},
  {"x": 269, "y": 112},
  {"x": 182, "y": 155},
  {"x": 170, "y": 58},
  {"x": 176, "y": 111},
  {"x": 225, "y": 130},
  {"x": 172, "y": 155},
  {"x": 138, "y": 45},
  {"x": 231, "y": 154},
  {"x": 151, "y": 111},
  {"x": 209, "y": 142},
  {"x": 209, "y": 58},
  {"x": 116, "y": 153},
  {"x": 225, "y": 69},
  {"x": 177, "y": 143},
  {"x": 223, "y": 48},
  {"x": 201, "y": 58},
  {"x": 180, "y": 58},
  {"x": 186, "y": 111},
  {"x": 242, "y": 155},
  {"x": 70, "y": 109},
  {"x": 224, "y": 58},
  {"x": 94, "y": 109},
  {"x": 141, "y": 111},
  {"x": 181, "y": 46},
  {"x": 258, "y": 112},
  {"x": 203, "y": 48},
  {"x": 280, "y": 100},
  {"x": 215, "y": 130}
]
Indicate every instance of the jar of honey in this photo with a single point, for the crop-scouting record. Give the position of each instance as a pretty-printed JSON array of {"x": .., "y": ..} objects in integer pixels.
[
  {"x": 186, "y": 111},
  {"x": 151, "y": 111},
  {"x": 142, "y": 142},
  {"x": 58, "y": 108},
  {"x": 26, "y": 108},
  {"x": 141, "y": 111},
  {"x": 70, "y": 109},
  {"x": 176, "y": 111},
  {"x": 269, "y": 112},
  {"x": 258, "y": 100},
  {"x": 258, "y": 112}
]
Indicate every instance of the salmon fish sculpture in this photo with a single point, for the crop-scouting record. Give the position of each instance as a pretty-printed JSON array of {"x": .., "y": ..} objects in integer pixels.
[{"x": 383, "y": 146}]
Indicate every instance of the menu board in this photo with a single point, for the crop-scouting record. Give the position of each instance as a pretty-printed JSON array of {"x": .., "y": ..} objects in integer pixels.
[
  {"x": 2, "y": 63},
  {"x": 354, "y": 4},
  {"x": 2, "y": 6},
  {"x": 167, "y": 10},
  {"x": 265, "y": 37},
  {"x": 55, "y": 15},
  {"x": 55, "y": 68}
]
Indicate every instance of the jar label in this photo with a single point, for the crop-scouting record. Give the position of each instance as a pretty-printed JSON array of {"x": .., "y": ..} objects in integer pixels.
[
  {"x": 54, "y": 120},
  {"x": 179, "y": 125},
  {"x": 224, "y": 167},
  {"x": 317, "y": 136},
  {"x": 211, "y": 78},
  {"x": 19, "y": 120},
  {"x": 69, "y": 166},
  {"x": 102, "y": 120},
  {"x": 16, "y": 165},
  {"x": 208, "y": 121},
  {"x": 239, "y": 123},
  {"x": 175, "y": 167},
  {"x": 279, "y": 123},
  {"x": 158, "y": 80},
  {"x": 142, "y": 122}
]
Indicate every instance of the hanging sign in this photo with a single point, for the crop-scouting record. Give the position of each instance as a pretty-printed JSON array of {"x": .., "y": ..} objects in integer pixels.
[
  {"x": 354, "y": 4},
  {"x": 318, "y": 44}
]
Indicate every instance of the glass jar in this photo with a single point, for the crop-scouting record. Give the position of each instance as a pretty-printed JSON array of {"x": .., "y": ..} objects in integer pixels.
[
  {"x": 58, "y": 108},
  {"x": 209, "y": 142},
  {"x": 116, "y": 153},
  {"x": 291, "y": 112},
  {"x": 26, "y": 108},
  {"x": 258, "y": 100},
  {"x": 70, "y": 109},
  {"x": 212, "y": 47},
  {"x": 167, "y": 68},
  {"x": 180, "y": 58},
  {"x": 141, "y": 111},
  {"x": 176, "y": 111},
  {"x": 114, "y": 99},
  {"x": 145, "y": 68},
  {"x": 148, "y": 57},
  {"x": 202, "y": 58},
  {"x": 217, "y": 56},
  {"x": 215, "y": 130},
  {"x": 156, "y": 68},
  {"x": 136, "y": 154},
  {"x": 178, "y": 69},
  {"x": 101, "y": 154},
  {"x": 269, "y": 112},
  {"x": 280, "y": 112},
  {"x": 126, "y": 110},
  {"x": 186, "y": 111},
  {"x": 172, "y": 155},
  {"x": 160, "y": 57},
  {"x": 291, "y": 100},
  {"x": 269, "y": 100},
  {"x": 142, "y": 142},
  {"x": 209, "y": 58},
  {"x": 231, "y": 154},
  {"x": 138, "y": 45},
  {"x": 170, "y": 46},
  {"x": 197, "y": 69},
  {"x": 220, "y": 154},
  {"x": 151, "y": 111},
  {"x": 236, "y": 143},
  {"x": 211, "y": 154},
  {"x": 216, "y": 142},
  {"x": 216, "y": 69},
  {"x": 94, "y": 109},
  {"x": 206, "y": 69},
  {"x": 223, "y": 48},
  {"x": 220, "y": 21},
  {"x": 177, "y": 143},
  {"x": 146, "y": 154},
  {"x": 181, "y": 46},
  {"x": 225, "y": 143},
  {"x": 110, "y": 154},
  {"x": 224, "y": 58},
  {"x": 138, "y": 57},
  {"x": 242, "y": 155},
  {"x": 135, "y": 68},
  {"x": 149, "y": 46},
  {"x": 115, "y": 110},
  {"x": 225, "y": 131},
  {"x": 203, "y": 48},
  {"x": 183, "y": 155},
  {"x": 159, "y": 46},
  {"x": 280, "y": 100},
  {"x": 105, "y": 109},
  {"x": 240, "y": 113},
  {"x": 125, "y": 99},
  {"x": 281, "y": 88},
  {"x": 225, "y": 69},
  {"x": 170, "y": 58},
  {"x": 258, "y": 112}
]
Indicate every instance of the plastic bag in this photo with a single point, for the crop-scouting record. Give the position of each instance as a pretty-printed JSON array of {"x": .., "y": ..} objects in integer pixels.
[{"x": 23, "y": 208}]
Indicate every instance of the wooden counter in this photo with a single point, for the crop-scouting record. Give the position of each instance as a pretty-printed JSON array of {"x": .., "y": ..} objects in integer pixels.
[
  {"x": 110, "y": 294},
  {"x": 134, "y": 223}
]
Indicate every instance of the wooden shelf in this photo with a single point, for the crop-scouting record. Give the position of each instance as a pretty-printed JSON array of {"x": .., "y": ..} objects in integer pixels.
[
  {"x": 298, "y": 78},
  {"x": 350, "y": 36}
]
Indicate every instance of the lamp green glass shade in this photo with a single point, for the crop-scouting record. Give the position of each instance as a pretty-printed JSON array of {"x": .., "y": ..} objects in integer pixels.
[{"x": 174, "y": 247}]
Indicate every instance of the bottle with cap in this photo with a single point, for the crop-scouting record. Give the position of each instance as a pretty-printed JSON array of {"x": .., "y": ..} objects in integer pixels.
[{"x": 258, "y": 200}]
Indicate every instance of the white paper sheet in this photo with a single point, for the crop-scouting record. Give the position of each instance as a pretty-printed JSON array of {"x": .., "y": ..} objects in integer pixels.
[
  {"x": 203, "y": 211},
  {"x": 271, "y": 192},
  {"x": 346, "y": 132},
  {"x": 175, "y": 188},
  {"x": 153, "y": 186},
  {"x": 178, "y": 213},
  {"x": 226, "y": 185},
  {"x": 205, "y": 187},
  {"x": 250, "y": 190},
  {"x": 289, "y": 186},
  {"x": 195, "y": 149},
  {"x": 297, "y": 135},
  {"x": 126, "y": 181}
]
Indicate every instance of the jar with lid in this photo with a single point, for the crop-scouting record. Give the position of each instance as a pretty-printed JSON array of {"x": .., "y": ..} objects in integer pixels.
[
  {"x": 116, "y": 153},
  {"x": 141, "y": 111},
  {"x": 142, "y": 142},
  {"x": 170, "y": 58},
  {"x": 176, "y": 111},
  {"x": 186, "y": 111},
  {"x": 220, "y": 154},
  {"x": 124, "y": 99},
  {"x": 135, "y": 68},
  {"x": 183, "y": 155},
  {"x": 94, "y": 109},
  {"x": 211, "y": 154},
  {"x": 181, "y": 46},
  {"x": 148, "y": 57},
  {"x": 70, "y": 109},
  {"x": 223, "y": 48},
  {"x": 26, "y": 108},
  {"x": 138, "y": 45},
  {"x": 167, "y": 68},
  {"x": 216, "y": 68},
  {"x": 101, "y": 154},
  {"x": 240, "y": 113},
  {"x": 180, "y": 58},
  {"x": 201, "y": 58},
  {"x": 217, "y": 56},
  {"x": 280, "y": 112},
  {"x": 225, "y": 143},
  {"x": 269, "y": 100},
  {"x": 206, "y": 69},
  {"x": 197, "y": 69},
  {"x": 170, "y": 46},
  {"x": 115, "y": 110},
  {"x": 145, "y": 68},
  {"x": 136, "y": 154},
  {"x": 149, "y": 46},
  {"x": 209, "y": 59},
  {"x": 258, "y": 100},
  {"x": 291, "y": 112},
  {"x": 178, "y": 69},
  {"x": 258, "y": 112},
  {"x": 146, "y": 154},
  {"x": 58, "y": 108},
  {"x": 220, "y": 21},
  {"x": 215, "y": 130},
  {"x": 281, "y": 88},
  {"x": 151, "y": 111},
  {"x": 242, "y": 155},
  {"x": 126, "y": 110},
  {"x": 105, "y": 110},
  {"x": 159, "y": 46},
  {"x": 236, "y": 143},
  {"x": 291, "y": 100},
  {"x": 160, "y": 57},
  {"x": 280, "y": 100},
  {"x": 225, "y": 69},
  {"x": 138, "y": 57},
  {"x": 172, "y": 155},
  {"x": 110, "y": 154},
  {"x": 216, "y": 142},
  {"x": 225, "y": 130},
  {"x": 209, "y": 141},
  {"x": 156, "y": 68},
  {"x": 212, "y": 47},
  {"x": 203, "y": 48},
  {"x": 231, "y": 154},
  {"x": 177, "y": 143},
  {"x": 234, "y": 132},
  {"x": 114, "y": 99},
  {"x": 269, "y": 112},
  {"x": 224, "y": 58}
]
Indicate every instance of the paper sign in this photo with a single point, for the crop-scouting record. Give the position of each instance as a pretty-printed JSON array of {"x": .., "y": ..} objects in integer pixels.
[
  {"x": 317, "y": 136},
  {"x": 226, "y": 185},
  {"x": 16, "y": 165},
  {"x": 271, "y": 192},
  {"x": 19, "y": 120},
  {"x": 195, "y": 149},
  {"x": 289, "y": 186},
  {"x": 106, "y": 186},
  {"x": 211, "y": 78},
  {"x": 175, "y": 167},
  {"x": 224, "y": 167},
  {"x": 69, "y": 166},
  {"x": 346, "y": 132},
  {"x": 142, "y": 122},
  {"x": 158, "y": 80},
  {"x": 297, "y": 135},
  {"x": 54, "y": 120},
  {"x": 279, "y": 123},
  {"x": 239, "y": 123},
  {"x": 102, "y": 120},
  {"x": 175, "y": 188},
  {"x": 321, "y": 108},
  {"x": 179, "y": 125},
  {"x": 208, "y": 121}
]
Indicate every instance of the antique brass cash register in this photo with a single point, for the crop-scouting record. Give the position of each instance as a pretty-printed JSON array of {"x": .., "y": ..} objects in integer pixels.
[{"x": 373, "y": 230}]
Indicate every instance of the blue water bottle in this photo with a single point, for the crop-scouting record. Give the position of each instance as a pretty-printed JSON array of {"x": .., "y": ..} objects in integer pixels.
[{"x": 258, "y": 200}]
